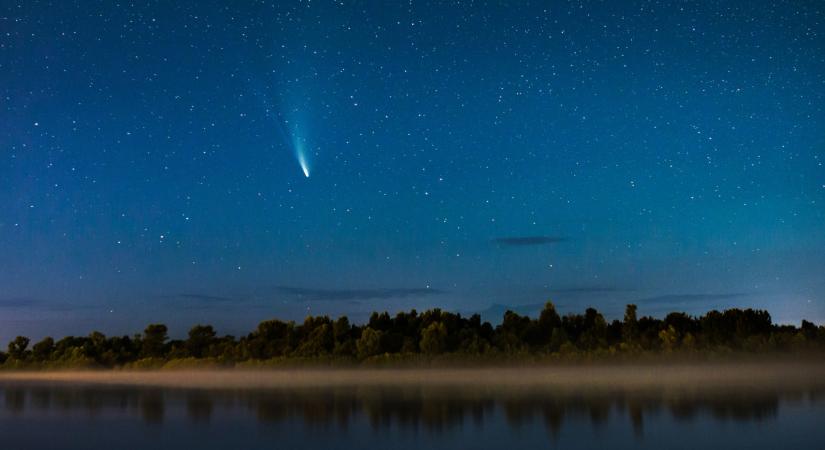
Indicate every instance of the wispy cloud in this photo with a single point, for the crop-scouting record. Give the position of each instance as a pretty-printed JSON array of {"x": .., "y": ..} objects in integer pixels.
[
  {"x": 19, "y": 302},
  {"x": 522, "y": 241},
  {"x": 204, "y": 297},
  {"x": 690, "y": 298},
  {"x": 197, "y": 301},
  {"x": 41, "y": 304},
  {"x": 589, "y": 290},
  {"x": 332, "y": 295}
]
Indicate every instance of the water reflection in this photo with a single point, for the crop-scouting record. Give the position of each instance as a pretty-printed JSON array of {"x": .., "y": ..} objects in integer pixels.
[{"x": 421, "y": 408}]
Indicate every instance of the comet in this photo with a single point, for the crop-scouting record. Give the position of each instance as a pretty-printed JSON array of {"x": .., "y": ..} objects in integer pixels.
[
  {"x": 300, "y": 154},
  {"x": 288, "y": 130},
  {"x": 303, "y": 162}
]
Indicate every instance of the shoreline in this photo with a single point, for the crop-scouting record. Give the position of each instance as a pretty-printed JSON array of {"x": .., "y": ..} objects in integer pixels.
[{"x": 631, "y": 376}]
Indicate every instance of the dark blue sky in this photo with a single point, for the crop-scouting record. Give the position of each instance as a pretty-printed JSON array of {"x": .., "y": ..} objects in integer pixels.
[{"x": 664, "y": 153}]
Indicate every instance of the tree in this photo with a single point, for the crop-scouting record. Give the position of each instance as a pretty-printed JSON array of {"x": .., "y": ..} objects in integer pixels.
[
  {"x": 510, "y": 335},
  {"x": 342, "y": 333},
  {"x": 17, "y": 348},
  {"x": 380, "y": 322},
  {"x": 808, "y": 329},
  {"x": 201, "y": 337},
  {"x": 557, "y": 339},
  {"x": 595, "y": 330},
  {"x": 272, "y": 338},
  {"x": 549, "y": 321},
  {"x": 369, "y": 344},
  {"x": 669, "y": 338},
  {"x": 154, "y": 338},
  {"x": 95, "y": 346},
  {"x": 549, "y": 318},
  {"x": 433, "y": 338},
  {"x": 42, "y": 350},
  {"x": 320, "y": 341},
  {"x": 341, "y": 329},
  {"x": 630, "y": 325}
]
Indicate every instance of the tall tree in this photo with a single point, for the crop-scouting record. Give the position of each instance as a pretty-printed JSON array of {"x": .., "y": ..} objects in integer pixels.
[
  {"x": 42, "y": 350},
  {"x": 630, "y": 325},
  {"x": 433, "y": 338},
  {"x": 17, "y": 348},
  {"x": 369, "y": 344},
  {"x": 154, "y": 339},
  {"x": 201, "y": 337}
]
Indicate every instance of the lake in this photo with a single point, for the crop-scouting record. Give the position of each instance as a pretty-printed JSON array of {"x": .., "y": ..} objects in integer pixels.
[{"x": 52, "y": 415}]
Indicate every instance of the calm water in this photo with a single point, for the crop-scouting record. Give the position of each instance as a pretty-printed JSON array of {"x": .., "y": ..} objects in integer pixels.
[{"x": 77, "y": 417}]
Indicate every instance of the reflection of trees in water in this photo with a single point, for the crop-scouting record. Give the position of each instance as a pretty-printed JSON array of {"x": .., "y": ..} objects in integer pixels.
[
  {"x": 739, "y": 406},
  {"x": 429, "y": 408},
  {"x": 408, "y": 408},
  {"x": 199, "y": 406},
  {"x": 152, "y": 406},
  {"x": 65, "y": 399},
  {"x": 15, "y": 400},
  {"x": 752, "y": 406},
  {"x": 315, "y": 408}
]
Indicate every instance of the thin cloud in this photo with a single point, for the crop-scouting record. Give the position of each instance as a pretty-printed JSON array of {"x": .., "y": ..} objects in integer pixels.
[
  {"x": 205, "y": 298},
  {"x": 691, "y": 298},
  {"x": 41, "y": 305},
  {"x": 196, "y": 301},
  {"x": 334, "y": 295},
  {"x": 589, "y": 290},
  {"x": 19, "y": 302},
  {"x": 523, "y": 241}
]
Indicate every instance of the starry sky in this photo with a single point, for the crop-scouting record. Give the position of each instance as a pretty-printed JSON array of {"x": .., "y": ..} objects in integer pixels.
[{"x": 472, "y": 156}]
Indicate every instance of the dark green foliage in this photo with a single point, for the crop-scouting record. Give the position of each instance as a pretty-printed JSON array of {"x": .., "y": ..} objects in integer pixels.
[
  {"x": 201, "y": 338},
  {"x": 154, "y": 340},
  {"x": 549, "y": 320},
  {"x": 42, "y": 350},
  {"x": 18, "y": 348},
  {"x": 434, "y": 338},
  {"x": 271, "y": 339},
  {"x": 433, "y": 332},
  {"x": 630, "y": 326},
  {"x": 369, "y": 344},
  {"x": 315, "y": 337}
]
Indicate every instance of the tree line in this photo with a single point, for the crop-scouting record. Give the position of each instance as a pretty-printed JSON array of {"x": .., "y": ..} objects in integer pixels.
[{"x": 430, "y": 333}]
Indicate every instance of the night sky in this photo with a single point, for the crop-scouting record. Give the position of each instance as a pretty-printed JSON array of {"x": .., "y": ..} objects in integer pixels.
[{"x": 464, "y": 156}]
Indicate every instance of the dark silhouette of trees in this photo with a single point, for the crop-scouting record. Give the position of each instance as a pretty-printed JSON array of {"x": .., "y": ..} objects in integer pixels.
[
  {"x": 154, "y": 340},
  {"x": 42, "y": 350},
  {"x": 201, "y": 338},
  {"x": 434, "y": 338},
  {"x": 369, "y": 343},
  {"x": 630, "y": 325},
  {"x": 549, "y": 321},
  {"x": 315, "y": 337},
  {"x": 18, "y": 348},
  {"x": 434, "y": 333},
  {"x": 271, "y": 339},
  {"x": 343, "y": 337}
]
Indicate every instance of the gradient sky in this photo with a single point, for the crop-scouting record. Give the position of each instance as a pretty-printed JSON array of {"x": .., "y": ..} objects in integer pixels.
[{"x": 463, "y": 156}]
